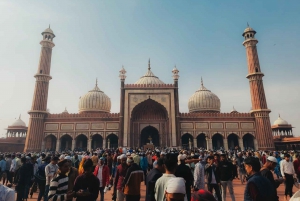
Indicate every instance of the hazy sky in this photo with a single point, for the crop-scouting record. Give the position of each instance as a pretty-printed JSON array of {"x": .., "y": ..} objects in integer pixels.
[{"x": 203, "y": 38}]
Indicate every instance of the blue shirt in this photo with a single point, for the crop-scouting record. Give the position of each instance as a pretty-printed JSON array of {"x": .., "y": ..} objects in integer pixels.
[{"x": 3, "y": 165}]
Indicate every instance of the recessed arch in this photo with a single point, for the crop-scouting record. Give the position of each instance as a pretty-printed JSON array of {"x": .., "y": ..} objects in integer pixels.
[
  {"x": 201, "y": 141},
  {"x": 248, "y": 141},
  {"x": 149, "y": 110},
  {"x": 50, "y": 142},
  {"x": 97, "y": 141},
  {"x": 233, "y": 140},
  {"x": 186, "y": 139},
  {"x": 150, "y": 135},
  {"x": 65, "y": 142},
  {"x": 81, "y": 142},
  {"x": 112, "y": 141},
  {"x": 217, "y": 141}
]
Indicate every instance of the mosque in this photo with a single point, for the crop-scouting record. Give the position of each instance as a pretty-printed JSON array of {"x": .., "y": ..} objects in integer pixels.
[{"x": 150, "y": 113}]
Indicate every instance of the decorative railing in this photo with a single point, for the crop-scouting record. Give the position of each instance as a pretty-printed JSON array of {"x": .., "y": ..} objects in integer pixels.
[
  {"x": 149, "y": 85},
  {"x": 204, "y": 114},
  {"x": 83, "y": 115}
]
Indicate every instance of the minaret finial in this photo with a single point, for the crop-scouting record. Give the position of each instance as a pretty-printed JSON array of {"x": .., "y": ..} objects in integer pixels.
[
  {"x": 20, "y": 116},
  {"x": 201, "y": 82},
  {"x": 96, "y": 82},
  {"x": 49, "y": 26},
  {"x": 149, "y": 67},
  {"x": 279, "y": 115},
  {"x": 247, "y": 24}
]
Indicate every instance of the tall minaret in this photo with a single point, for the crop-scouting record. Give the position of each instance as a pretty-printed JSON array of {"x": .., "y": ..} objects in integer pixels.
[
  {"x": 259, "y": 103},
  {"x": 39, "y": 103}
]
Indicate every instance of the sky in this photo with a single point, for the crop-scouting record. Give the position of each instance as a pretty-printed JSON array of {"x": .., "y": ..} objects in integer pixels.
[{"x": 201, "y": 37}]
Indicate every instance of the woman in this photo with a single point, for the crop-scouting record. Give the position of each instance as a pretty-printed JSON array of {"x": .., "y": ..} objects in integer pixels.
[
  {"x": 80, "y": 169},
  {"x": 59, "y": 185}
]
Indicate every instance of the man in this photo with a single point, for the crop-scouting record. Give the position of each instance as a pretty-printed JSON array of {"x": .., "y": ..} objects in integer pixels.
[
  {"x": 7, "y": 194},
  {"x": 72, "y": 175},
  {"x": 265, "y": 171},
  {"x": 213, "y": 180},
  {"x": 102, "y": 173},
  {"x": 50, "y": 171},
  {"x": 226, "y": 176},
  {"x": 287, "y": 171},
  {"x": 144, "y": 165},
  {"x": 152, "y": 177},
  {"x": 2, "y": 169},
  {"x": 241, "y": 167},
  {"x": 149, "y": 159},
  {"x": 95, "y": 160},
  {"x": 185, "y": 172},
  {"x": 199, "y": 175},
  {"x": 120, "y": 175},
  {"x": 132, "y": 181},
  {"x": 175, "y": 190},
  {"x": 170, "y": 164},
  {"x": 41, "y": 178},
  {"x": 21, "y": 180},
  {"x": 296, "y": 163},
  {"x": 258, "y": 187},
  {"x": 7, "y": 170}
]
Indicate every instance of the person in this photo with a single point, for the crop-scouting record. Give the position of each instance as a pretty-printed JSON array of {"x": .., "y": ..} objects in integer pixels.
[
  {"x": 152, "y": 177},
  {"x": 72, "y": 174},
  {"x": 175, "y": 190},
  {"x": 202, "y": 195},
  {"x": 287, "y": 171},
  {"x": 265, "y": 171},
  {"x": 2, "y": 169},
  {"x": 199, "y": 176},
  {"x": 21, "y": 180},
  {"x": 170, "y": 164},
  {"x": 277, "y": 168},
  {"x": 150, "y": 162},
  {"x": 296, "y": 163},
  {"x": 95, "y": 160},
  {"x": 132, "y": 181},
  {"x": 76, "y": 162},
  {"x": 144, "y": 165},
  {"x": 241, "y": 167},
  {"x": 7, "y": 170},
  {"x": 50, "y": 171},
  {"x": 40, "y": 177},
  {"x": 120, "y": 175},
  {"x": 226, "y": 176},
  {"x": 213, "y": 179},
  {"x": 102, "y": 172},
  {"x": 86, "y": 185},
  {"x": 258, "y": 187},
  {"x": 58, "y": 189},
  {"x": 6, "y": 194},
  {"x": 185, "y": 172}
]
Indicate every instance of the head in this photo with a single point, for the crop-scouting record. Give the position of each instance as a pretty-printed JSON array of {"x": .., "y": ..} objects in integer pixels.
[
  {"x": 54, "y": 160},
  {"x": 252, "y": 165},
  {"x": 170, "y": 163},
  {"x": 202, "y": 195},
  {"x": 160, "y": 165},
  {"x": 210, "y": 160},
  {"x": 63, "y": 166},
  {"x": 271, "y": 163},
  {"x": 287, "y": 157},
  {"x": 129, "y": 161},
  {"x": 223, "y": 157},
  {"x": 23, "y": 160},
  {"x": 123, "y": 159},
  {"x": 88, "y": 167},
  {"x": 101, "y": 161},
  {"x": 175, "y": 190}
]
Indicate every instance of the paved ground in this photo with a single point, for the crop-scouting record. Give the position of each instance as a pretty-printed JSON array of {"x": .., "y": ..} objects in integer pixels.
[{"x": 238, "y": 191}]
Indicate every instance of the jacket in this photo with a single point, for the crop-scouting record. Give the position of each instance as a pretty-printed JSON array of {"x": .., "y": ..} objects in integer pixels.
[
  {"x": 208, "y": 170},
  {"x": 269, "y": 175},
  {"x": 226, "y": 171},
  {"x": 186, "y": 173},
  {"x": 133, "y": 179},
  {"x": 152, "y": 177},
  {"x": 105, "y": 174},
  {"x": 144, "y": 163}
]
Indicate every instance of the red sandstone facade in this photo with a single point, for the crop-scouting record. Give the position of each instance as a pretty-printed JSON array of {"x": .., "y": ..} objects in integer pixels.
[{"x": 149, "y": 113}]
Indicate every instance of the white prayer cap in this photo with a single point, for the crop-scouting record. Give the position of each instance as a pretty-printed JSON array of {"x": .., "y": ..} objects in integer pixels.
[
  {"x": 119, "y": 157},
  {"x": 62, "y": 157},
  {"x": 68, "y": 157},
  {"x": 176, "y": 185},
  {"x": 163, "y": 153},
  {"x": 128, "y": 153},
  {"x": 123, "y": 156},
  {"x": 272, "y": 159},
  {"x": 182, "y": 157}
]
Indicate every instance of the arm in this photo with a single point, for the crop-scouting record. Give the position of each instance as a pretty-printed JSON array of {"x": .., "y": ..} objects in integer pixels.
[
  {"x": 281, "y": 168},
  {"x": 127, "y": 176},
  {"x": 52, "y": 192},
  {"x": 253, "y": 192},
  {"x": 196, "y": 175},
  {"x": 116, "y": 180},
  {"x": 47, "y": 170}
]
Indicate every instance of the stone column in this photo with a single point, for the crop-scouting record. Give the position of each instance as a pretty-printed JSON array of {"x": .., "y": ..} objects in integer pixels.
[
  {"x": 108, "y": 143},
  {"x": 73, "y": 144},
  {"x": 190, "y": 143},
  {"x": 255, "y": 144},
  {"x": 241, "y": 144},
  {"x": 89, "y": 144},
  {"x": 226, "y": 144},
  {"x": 57, "y": 145},
  {"x": 104, "y": 143},
  {"x": 209, "y": 144},
  {"x": 195, "y": 142},
  {"x": 43, "y": 146}
]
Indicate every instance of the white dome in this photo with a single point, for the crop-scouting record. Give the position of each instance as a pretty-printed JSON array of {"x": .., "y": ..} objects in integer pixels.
[
  {"x": 48, "y": 30},
  {"x": 149, "y": 78},
  {"x": 19, "y": 122},
  {"x": 95, "y": 101},
  {"x": 280, "y": 121},
  {"x": 204, "y": 100}
]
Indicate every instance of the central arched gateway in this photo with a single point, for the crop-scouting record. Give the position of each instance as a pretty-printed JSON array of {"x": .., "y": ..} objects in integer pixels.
[
  {"x": 150, "y": 135},
  {"x": 149, "y": 119}
]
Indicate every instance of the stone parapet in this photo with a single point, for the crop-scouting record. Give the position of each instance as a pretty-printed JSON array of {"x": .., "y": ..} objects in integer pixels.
[
  {"x": 150, "y": 86},
  {"x": 83, "y": 115}
]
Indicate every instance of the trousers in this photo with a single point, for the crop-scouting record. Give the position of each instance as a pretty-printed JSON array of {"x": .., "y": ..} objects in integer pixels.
[
  {"x": 224, "y": 185},
  {"x": 289, "y": 182}
]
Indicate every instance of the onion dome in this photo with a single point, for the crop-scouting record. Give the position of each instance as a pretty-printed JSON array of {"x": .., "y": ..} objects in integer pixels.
[
  {"x": 65, "y": 111},
  {"x": 249, "y": 30},
  {"x": 204, "y": 100},
  {"x": 280, "y": 121},
  {"x": 234, "y": 110},
  {"x": 19, "y": 122},
  {"x": 95, "y": 101},
  {"x": 149, "y": 78}
]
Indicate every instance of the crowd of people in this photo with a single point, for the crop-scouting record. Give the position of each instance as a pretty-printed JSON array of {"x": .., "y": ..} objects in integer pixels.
[{"x": 169, "y": 174}]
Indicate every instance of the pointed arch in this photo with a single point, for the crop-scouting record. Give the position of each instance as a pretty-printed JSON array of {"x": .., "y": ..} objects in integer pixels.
[{"x": 149, "y": 109}]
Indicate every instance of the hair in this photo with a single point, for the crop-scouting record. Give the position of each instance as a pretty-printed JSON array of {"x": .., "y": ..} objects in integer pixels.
[
  {"x": 209, "y": 157},
  {"x": 88, "y": 164},
  {"x": 254, "y": 162},
  {"x": 23, "y": 160},
  {"x": 62, "y": 162},
  {"x": 160, "y": 162},
  {"x": 287, "y": 155},
  {"x": 170, "y": 162}
]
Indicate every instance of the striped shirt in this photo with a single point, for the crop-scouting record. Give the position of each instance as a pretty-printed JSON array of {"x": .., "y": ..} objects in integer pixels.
[{"x": 58, "y": 188}]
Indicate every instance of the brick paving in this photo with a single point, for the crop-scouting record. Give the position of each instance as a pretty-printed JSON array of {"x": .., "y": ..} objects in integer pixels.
[{"x": 238, "y": 191}]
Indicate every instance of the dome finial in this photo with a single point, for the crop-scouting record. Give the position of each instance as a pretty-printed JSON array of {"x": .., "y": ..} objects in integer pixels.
[
  {"x": 149, "y": 64},
  {"x": 96, "y": 82},
  {"x": 201, "y": 82},
  {"x": 279, "y": 115},
  {"x": 247, "y": 24},
  {"x": 49, "y": 26},
  {"x": 20, "y": 116}
]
